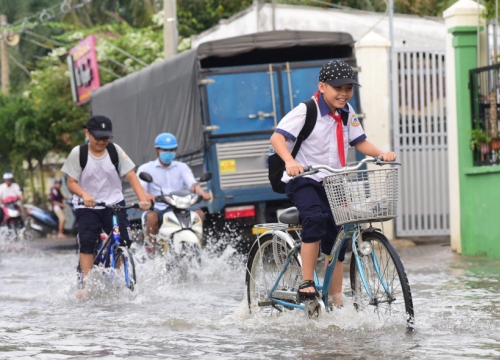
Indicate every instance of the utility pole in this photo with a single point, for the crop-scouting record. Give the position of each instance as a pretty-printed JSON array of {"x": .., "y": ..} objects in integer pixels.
[
  {"x": 273, "y": 6},
  {"x": 4, "y": 56},
  {"x": 170, "y": 28}
]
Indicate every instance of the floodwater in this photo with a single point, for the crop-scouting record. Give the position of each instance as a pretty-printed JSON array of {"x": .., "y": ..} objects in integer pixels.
[{"x": 204, "y": 315}]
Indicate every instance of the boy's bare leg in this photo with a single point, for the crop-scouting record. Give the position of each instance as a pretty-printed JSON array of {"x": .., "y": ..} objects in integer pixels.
[
  {"x": 335, "y": 292},
  {"x": 309, "y": 255},
  {"x": 152, "y": 227},
  {"x": 86, "y": 264}
]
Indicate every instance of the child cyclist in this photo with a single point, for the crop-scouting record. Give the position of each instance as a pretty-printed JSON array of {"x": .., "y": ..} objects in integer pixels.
[
  {"x": 99, "y": 181},
  {"x": 326, "y": 145}
]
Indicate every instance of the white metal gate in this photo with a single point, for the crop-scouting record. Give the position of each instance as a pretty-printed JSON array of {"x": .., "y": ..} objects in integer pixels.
[{"x": 420, "y": 140}]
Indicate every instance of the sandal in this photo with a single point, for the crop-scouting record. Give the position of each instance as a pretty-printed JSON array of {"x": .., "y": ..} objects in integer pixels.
[{"x": 302, "y": 296}]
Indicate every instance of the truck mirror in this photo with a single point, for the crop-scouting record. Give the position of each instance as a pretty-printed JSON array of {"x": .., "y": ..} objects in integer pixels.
[{"x": 145, "y": 177}]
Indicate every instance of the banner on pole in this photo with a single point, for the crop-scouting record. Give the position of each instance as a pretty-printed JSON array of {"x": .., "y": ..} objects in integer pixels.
[{"x": 82, "y": 64}]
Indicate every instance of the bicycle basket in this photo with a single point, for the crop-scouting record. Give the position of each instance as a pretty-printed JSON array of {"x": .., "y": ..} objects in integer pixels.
[{"x": 363, "y": 195}]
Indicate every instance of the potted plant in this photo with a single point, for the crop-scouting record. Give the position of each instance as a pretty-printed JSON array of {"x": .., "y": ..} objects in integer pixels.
[{"x": 480, "y": 141}]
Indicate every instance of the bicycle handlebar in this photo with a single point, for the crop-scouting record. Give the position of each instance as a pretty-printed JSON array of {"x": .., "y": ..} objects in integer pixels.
[
  {"x": 113, "y": 207},
  {"x": 313, "y": 169}
]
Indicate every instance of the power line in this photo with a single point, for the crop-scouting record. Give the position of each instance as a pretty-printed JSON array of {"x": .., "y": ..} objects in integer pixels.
[
  {"x": 19, "y": 64},
  {"x": 122, "y": 51},
  {"x": 45, "y": 38},
  {"x": 109, "y": 71},
  {"x": 38, "y": 43},
  {"x": 45, "y": 15}
]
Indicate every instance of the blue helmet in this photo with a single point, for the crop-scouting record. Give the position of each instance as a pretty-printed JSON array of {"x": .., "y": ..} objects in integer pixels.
[{"x": 166, "y": 141}]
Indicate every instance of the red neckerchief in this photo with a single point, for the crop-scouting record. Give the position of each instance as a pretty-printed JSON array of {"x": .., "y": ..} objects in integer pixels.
[{"x": 339, "y": 132}]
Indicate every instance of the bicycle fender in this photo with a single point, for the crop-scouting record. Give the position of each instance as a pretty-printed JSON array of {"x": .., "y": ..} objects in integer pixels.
[{"x": 285, "y": 236}]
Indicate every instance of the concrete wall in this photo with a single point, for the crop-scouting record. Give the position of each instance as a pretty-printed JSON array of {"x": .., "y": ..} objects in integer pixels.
[
  {"x": 462, "y": 13},
  {"x": 372, "y": 57}
]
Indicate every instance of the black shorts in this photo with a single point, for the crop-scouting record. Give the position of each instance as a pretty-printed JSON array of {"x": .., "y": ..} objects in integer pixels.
[
  {"x": 92, "y": 221},
  {"x": 315, "y": 215}
]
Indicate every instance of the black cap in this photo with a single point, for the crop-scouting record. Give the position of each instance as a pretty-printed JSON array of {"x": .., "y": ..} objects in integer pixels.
[
  {"x": 337, "y": 73},
  {"x": 99, "y": 126}
]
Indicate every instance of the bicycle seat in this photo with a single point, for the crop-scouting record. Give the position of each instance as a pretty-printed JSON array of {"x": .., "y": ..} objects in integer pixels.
[{"x": 290, "y": 216}]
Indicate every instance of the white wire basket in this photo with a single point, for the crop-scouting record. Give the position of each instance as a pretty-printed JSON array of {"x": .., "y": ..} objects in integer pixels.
[{"x": 363, "y": 195}]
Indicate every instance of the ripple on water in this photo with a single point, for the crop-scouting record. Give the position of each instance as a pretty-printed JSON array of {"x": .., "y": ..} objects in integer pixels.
[{"x": 204, "y": 314}]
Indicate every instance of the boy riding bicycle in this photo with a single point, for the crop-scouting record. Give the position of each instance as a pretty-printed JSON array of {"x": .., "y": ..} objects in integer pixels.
[
  {"x": 99, "y": 181},
  {"x": 326, "y": 145}
]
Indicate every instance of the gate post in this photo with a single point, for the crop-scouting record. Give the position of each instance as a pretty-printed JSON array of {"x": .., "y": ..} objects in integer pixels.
[
  {"x": 372, "y": 52},
  {"x": 462, "y": 21}
]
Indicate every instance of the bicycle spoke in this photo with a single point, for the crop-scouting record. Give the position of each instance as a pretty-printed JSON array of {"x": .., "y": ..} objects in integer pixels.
[{"x": 388, "y": 292}]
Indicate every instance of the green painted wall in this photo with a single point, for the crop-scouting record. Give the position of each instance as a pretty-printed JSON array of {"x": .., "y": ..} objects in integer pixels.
[{"x": 479, "y": 186}]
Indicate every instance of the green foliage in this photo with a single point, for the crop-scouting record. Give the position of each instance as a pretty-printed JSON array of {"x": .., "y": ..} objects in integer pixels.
[
  {"x": 478, "y": 137},
  {"x": 197, "y": 16}
]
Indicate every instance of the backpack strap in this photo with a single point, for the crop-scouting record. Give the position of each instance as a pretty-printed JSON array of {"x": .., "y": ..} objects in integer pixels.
[
  {"x": 344, "y": 115},
  {"x": 84, "y": 154},
  {"x": 311, "y": 115},
  {"x": 113, "y": 154}
]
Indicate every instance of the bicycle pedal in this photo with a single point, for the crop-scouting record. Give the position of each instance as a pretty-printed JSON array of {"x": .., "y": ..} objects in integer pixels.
[{"x": 265, "y": 303}]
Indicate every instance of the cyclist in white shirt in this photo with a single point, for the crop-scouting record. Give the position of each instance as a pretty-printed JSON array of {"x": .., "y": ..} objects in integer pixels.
[
  {"x": 327, "y": 145},
  {"x": 100, "y": 181}
]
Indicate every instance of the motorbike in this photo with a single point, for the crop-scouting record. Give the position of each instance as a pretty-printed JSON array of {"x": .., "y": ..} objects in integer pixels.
[
  {"x": 12, "y": 216},
  {"x": 180, "y": 235},
  {"x": 41, "y": 222}
]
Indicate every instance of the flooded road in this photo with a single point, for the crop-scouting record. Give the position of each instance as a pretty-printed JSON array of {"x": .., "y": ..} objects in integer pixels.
[{"x": 456, "y": 299}]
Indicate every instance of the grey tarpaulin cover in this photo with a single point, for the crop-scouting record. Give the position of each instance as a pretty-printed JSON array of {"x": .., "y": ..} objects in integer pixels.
[
  {"x": 272, "y": 40},
  {"x": 165, "y": 97}
]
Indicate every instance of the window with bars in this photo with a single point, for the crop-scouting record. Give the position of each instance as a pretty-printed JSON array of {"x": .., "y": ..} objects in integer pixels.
[{"x": 485, "y": 99}]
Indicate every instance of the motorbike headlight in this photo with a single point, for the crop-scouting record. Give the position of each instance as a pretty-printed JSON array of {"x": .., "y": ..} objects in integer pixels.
[
  {"x": 182, "y": 202},
  {"x": 365, "y": 248}
]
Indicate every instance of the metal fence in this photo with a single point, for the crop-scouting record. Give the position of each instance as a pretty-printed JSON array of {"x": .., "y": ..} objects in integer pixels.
[
  {"x": 484, "y": 87},
  {"x": 420, "y": 140}
]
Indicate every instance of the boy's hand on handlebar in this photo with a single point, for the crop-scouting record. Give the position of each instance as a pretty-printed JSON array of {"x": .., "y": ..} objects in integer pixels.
[
  {"x": 145, "y": 205},
  {"x": 146, "y": 202},
  {"x": 149, "y": 198},
  {"x": 293, "y": 168},
  {"x": 88, "y": 200},
  {"x": 388, "y": 156}
]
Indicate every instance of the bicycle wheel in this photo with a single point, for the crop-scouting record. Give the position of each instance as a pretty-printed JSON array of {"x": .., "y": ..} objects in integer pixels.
[
  {"x": 264, "y": 265},
  {"x": 125, "y": 266},
  {"x": 385, "y": 278}
]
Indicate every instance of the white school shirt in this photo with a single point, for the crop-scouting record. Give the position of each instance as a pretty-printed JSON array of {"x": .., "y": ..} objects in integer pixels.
[
  {"x": 178, "y": 176},
  {"x": 12, "y": 190},
  {"x": 99, "y": 178},
  {"x": 320, "y": 148}
]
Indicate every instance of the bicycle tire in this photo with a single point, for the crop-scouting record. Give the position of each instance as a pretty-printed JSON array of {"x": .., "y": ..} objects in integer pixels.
[
  {"x": 262, "y": 273},
  {"x": 125, "y": 266},
  {"x": 399, "y": 303}
]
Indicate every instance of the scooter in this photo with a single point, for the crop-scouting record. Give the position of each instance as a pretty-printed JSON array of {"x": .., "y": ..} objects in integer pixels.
[
  {"x": 12, "y": 216},
  {"x": 41, "y": 222},
  {"x": 181, "y": 232}
]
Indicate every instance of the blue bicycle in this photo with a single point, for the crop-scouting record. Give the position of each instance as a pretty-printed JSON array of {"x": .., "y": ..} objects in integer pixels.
[
  {"x": 357, "y": 198},
  {"x": 112, "y": 252}
]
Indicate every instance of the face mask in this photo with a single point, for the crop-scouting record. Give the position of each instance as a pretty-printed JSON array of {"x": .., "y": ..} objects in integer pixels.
[{"x": 166, "y": 157}]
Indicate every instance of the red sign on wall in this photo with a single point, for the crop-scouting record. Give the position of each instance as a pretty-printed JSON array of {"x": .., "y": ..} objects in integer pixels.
[{"x": 82, "y": 63}]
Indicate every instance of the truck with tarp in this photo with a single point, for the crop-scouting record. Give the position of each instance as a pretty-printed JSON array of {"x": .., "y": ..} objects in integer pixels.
[{"x": 223, "y": 101}]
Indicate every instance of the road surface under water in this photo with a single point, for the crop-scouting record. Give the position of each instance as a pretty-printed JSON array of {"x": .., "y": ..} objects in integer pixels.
[{"x": 204, "y": 315}]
